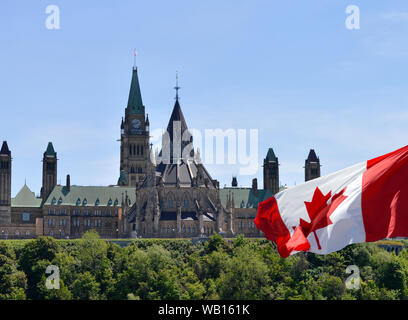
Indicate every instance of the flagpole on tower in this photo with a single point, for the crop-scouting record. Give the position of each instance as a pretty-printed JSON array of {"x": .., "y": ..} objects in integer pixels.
[{"x": 134, "y": 59}]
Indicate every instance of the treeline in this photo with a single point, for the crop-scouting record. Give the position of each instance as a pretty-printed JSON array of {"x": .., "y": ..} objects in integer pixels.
[{"x": 92, "y": 268}]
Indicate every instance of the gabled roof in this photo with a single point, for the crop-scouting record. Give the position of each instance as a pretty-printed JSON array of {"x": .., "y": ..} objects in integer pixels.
[
  {"x": 50, "y": 152},
  {"x": 5, "y": 149},
  {"x": 105, "y": 196},
  {"x": 244, "y": 197},
  {"x": 25, "y": 198},
  {"x": 135, "y": 104},
  {"x": 312, "y": 156},
  {"x": 270, "y": 157}
]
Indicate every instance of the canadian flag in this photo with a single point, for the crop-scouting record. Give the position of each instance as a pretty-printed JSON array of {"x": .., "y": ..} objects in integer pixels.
[{"x": 363, "y": 203}]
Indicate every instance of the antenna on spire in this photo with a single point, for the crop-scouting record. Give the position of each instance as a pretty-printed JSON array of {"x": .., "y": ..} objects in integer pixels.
[
  {"x": 177, "y": 88},
  {"x": 134, "y": 59}
]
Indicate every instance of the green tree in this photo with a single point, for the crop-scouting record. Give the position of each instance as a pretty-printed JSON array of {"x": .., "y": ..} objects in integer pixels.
[
  {"x": 13, "y": 283},
  {"x": 244, "y": 277},
  {"x": 36, "y": 255},
  {"x": 85, "y": 287},
  {"x": 332, "y": 287}
]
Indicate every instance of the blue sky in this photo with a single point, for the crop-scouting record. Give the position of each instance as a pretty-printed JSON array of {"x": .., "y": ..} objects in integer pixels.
[{"x": 290, "y": 69}]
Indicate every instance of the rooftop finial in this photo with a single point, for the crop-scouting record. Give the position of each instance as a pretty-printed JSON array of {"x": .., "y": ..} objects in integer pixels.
[
  {"x": 134, "y": 59},
  {"x": 177, "y": 88}
]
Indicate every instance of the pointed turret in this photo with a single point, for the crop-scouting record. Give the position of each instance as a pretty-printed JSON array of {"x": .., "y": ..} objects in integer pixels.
[
  {"x": 135, "y": 104},
  {"x": 5, "y": 149},
  {"x": 5, "y": 184},
  {"x": 50, "y": 152},
  {"x": 49, "y": 180},
  {"x": 271, "y": 172},
  {"x": 312, "y": 156},
  {"x": 312, "y": 166},
  {"x": 270, "y": 157}
]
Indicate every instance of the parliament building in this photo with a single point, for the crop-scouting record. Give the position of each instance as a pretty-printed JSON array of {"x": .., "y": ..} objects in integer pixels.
[{"x": 166, "y": 194}]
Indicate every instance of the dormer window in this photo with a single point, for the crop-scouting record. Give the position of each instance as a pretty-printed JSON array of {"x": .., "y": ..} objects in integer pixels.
[
  {"x": 97, "y": 202},
  {"x": 53, "y": 201},
  {"x": 242, "y": 204},
  {"x": 116, "y": 202},
  {"x": 78, "y": 202},
  {"x": 59, "y": 200},
  {"x": 84, "y": 202},
  {"x": 110, "y": 202}
]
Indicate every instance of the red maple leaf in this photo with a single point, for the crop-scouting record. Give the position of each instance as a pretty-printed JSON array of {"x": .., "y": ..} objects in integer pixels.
[{"x": 319, "y": 212}]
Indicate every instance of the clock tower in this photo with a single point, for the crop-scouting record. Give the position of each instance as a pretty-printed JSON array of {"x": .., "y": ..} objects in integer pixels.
[{"x": 134, "y": 141}]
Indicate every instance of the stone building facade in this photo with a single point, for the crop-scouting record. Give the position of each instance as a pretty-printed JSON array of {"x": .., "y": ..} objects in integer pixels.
[{"x": 166, "y": 194}]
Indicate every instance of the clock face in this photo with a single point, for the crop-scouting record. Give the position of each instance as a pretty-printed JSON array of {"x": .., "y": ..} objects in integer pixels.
[{"x": 136, "y": 124}]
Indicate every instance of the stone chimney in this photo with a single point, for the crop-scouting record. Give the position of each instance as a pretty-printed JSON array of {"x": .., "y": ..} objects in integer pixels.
[
  {"x": 68, "y": 183},
  {"x": 234, "y": 182},
  {"x": 255, "y": 186}
]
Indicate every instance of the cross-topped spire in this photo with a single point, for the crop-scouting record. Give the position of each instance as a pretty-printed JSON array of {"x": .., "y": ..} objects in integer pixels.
[{"x": 177, "y": 88}]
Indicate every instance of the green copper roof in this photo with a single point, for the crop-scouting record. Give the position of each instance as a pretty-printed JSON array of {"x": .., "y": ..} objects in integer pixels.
[
  {"x": 25, "y": 198},
  {"x": 270, "y": 157},
  {"x": 50, "y": 150},
  {"x": 245, "y": 197},
  {"x": 135, "y": 104},
  {"x": 122, "y": 179},
  {"x": 90, "y": 196}
]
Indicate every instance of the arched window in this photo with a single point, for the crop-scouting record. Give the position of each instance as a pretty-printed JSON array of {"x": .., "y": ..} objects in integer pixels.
[
  {"x": 170, "y": 203},
  {"x": 130, "y": 149},
  {"x": 134, "y": 149},
  {"x": 132, "y": 169},
  {"x": 141, "y": 150},
  {"x": 137, "y": 149},
  {"x": 186, "y": 202}
]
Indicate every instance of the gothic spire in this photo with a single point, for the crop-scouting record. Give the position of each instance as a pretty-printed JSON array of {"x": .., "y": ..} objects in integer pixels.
[{"x": 135, "y": 104}]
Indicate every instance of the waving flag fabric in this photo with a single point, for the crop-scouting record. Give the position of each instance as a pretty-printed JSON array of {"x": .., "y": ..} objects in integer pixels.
[{"x": 363, "y": 203}]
